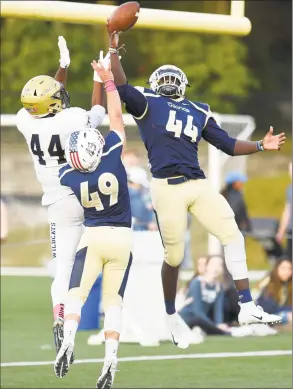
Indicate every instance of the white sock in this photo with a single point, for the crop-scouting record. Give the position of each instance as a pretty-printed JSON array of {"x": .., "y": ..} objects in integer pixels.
[
  {"x": 113, "y": 319},
  {"x": 248, "y": 305},
  {"x": 70, "y": 328},
  {"x": 111, "y": 348},
  {"x": 235, "y": 258}
]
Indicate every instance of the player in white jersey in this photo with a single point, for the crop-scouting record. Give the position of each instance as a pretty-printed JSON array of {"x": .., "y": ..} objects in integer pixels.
[{"x": 46, "y": 122}]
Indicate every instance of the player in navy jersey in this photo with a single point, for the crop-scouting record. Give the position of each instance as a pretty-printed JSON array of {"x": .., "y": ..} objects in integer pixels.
[
  {"x": 98, "y": 179},
  {"x": 171, "y": 127}
]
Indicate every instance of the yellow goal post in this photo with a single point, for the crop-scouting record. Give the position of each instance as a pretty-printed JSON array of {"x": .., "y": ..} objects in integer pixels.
[{"x": 165, "y": 20}]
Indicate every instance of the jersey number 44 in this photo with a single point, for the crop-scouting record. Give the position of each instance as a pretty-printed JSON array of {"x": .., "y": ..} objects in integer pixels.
[{"x": 54, "y": 149}]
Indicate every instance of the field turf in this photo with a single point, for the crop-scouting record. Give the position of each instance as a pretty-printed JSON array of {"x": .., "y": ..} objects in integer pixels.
[{"x": 26, "y": 337}]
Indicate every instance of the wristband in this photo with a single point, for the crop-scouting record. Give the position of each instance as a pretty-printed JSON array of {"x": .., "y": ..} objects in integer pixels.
[
  {"x": 259, "y": 145},
  {"x": 109, "y": 86},
  {"x": 113, "y": 50}
]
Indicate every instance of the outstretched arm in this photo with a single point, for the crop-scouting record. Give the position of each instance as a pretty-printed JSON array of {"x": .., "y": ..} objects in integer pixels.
[
  {"x": 135, "y": 101},
  {"x": 64, "y": 61},
  {"x": 113, "y": 99},
  {"x": 117, "y": 69},
  {"x": 219, "y": 138}
]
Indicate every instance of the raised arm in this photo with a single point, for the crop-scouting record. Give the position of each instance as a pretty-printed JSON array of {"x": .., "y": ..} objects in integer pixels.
[
  {"x": 219, "y": 138},
  {"x": 64, "y": 61},
  {"x": 117, "y": 69},
  {"x": 113, "y": 99},
  {"x": 135, "y": 102}
]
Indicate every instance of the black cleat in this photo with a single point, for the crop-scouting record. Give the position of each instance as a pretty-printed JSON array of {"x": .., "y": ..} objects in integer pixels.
[{"x": 58, "y": 331}]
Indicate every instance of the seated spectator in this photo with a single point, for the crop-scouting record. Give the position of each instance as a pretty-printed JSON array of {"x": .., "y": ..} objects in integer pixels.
[
  {"x": 233, "y": 194},
  {"x": 204, "y": 306},
  {"x": 201, "y": 265},
  {"x": 182, "y": 291},
  {"x": 276, "y": 291},
  {"x": 142, "y": 213}
]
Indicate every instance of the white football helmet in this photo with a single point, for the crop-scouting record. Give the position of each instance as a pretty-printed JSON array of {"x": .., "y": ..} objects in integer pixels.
[
  {"x": 169, "y": 81},
  {"x": 84, "y": 149}
]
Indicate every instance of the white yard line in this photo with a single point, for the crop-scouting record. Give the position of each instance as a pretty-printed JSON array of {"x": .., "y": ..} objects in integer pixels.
[{"x": 271, "y": 353}]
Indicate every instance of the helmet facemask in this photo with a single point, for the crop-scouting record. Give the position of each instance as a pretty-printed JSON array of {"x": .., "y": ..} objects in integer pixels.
[
  {"x": 169, "y": 81},
  {"x": 62, "y": 96}
]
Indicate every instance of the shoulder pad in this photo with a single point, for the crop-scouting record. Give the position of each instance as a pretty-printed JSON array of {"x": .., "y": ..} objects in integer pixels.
[
  {"x": 145, "y": 91},
  {"x": 140, "y": 88},
  {"x": 203, "y": 106}
]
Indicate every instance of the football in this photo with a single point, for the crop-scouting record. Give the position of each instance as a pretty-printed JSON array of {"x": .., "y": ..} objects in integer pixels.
[{"x": 124, "y": 17}]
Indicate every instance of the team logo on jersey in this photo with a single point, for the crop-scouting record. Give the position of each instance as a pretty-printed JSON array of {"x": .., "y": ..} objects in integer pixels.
[{"x": 172, "y": 105}]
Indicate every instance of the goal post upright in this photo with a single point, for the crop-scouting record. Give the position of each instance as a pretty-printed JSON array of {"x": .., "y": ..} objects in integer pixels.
[{"x": 217, "y": 161}]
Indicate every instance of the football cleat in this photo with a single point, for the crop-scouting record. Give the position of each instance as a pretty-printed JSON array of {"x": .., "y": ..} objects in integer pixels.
[
  {"x": 252, "y": 314},
  {"x": 58, "y": 331},
  {"x": 180, "y": 332},
  {"x": 62, "y": 361},
  {"x": 106, "y": 379}
]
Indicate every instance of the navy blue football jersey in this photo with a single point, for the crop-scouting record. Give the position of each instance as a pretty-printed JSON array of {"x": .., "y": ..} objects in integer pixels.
[
  {"x": 171, "y": 130},
  {"x": 103, "y": 193}
]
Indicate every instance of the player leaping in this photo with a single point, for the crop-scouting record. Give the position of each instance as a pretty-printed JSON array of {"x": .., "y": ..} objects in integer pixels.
[
  {"x": 46, "y": 122},
  {"x": 99, "y": 182},
  {"x": 171, "y": 127}
]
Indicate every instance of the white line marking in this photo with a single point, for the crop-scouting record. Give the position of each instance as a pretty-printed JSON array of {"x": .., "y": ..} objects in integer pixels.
[{"x": 271, "y": 353}]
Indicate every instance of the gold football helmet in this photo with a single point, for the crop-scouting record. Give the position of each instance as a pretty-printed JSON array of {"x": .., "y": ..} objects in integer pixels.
[{"x": 43, "y": 95}]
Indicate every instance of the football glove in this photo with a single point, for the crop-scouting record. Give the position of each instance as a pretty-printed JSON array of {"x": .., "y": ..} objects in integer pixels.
[
  {"x": 105, "y": 61},
  {"x": 64, "y": 53}
]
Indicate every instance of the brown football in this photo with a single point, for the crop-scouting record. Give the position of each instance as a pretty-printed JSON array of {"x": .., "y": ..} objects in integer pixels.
[{"x": 124, "y": 17}]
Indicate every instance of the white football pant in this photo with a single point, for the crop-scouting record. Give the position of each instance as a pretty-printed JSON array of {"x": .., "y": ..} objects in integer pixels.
[{"x": 66, "y": 218}]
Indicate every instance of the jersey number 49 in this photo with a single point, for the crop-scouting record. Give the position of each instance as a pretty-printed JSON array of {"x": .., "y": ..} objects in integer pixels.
[{"x": 108, "y": 185}]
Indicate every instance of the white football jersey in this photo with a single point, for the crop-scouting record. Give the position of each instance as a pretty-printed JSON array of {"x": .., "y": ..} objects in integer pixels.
[{"x": 46, "y": 139}]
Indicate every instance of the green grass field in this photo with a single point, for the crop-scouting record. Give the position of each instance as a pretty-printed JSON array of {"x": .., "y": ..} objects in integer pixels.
[{"x": 26, "y": 337}]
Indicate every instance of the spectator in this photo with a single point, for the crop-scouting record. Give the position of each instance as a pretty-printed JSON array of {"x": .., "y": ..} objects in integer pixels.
[
  {"x": 131, "y": 159},
  {"x": 181, "y": 296},
  {"x": 285, "y": 226},
  {"x": 201, "y": 265},
  {"x": 204, "y": 306},
  {"x": 276, "y": 291},
  {"x": 142, "y": 214},
  {"x": 233, "y": 194},
  {"x": 4, "y": 222}
]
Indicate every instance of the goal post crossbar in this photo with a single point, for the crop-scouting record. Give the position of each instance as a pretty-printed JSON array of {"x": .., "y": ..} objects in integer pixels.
[{"x": 165, "y": 20}]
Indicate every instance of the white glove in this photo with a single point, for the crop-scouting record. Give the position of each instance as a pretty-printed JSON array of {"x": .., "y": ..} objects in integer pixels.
[
  {"x": 64, "y": 53},
  {"x": 105, "y": 61}
]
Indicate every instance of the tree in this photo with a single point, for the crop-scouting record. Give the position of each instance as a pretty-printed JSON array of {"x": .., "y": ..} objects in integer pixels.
[
  {"x": 29, "y": 48},
  {"x": 214, "y": 65}
]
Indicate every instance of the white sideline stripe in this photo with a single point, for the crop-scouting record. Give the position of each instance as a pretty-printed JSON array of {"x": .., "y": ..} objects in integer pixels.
[{"x": 271, "y": 353}]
